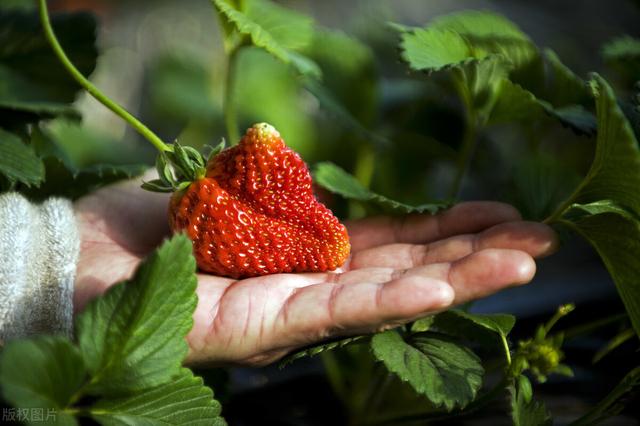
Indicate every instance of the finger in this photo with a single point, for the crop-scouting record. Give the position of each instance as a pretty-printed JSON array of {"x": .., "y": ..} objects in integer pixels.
[
  {"x": 477, "y": 271},
  {"x": 322, "y": 310},
  {"x": 463, "y": 218},
  {"x": 481, "y": 273},
  {"x": 210, "y": 291},
  {"x": 536, "y": 239}
]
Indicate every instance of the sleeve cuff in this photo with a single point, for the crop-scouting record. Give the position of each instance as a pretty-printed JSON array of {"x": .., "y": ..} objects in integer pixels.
[{"x": 39, "y": 247}]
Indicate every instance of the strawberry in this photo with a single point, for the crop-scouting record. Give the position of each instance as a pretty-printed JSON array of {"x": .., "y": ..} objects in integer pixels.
[{"x": 253, "y": 212}]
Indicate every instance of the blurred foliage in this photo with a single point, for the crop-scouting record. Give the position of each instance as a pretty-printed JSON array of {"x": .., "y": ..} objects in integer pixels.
[
  {"x": 477, "y": 110},
  {"x": 623, "y": 54},
  {"x": 33, "y": 84}
]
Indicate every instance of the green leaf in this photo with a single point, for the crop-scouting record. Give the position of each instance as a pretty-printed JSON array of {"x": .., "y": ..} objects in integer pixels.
[
  {"x": 489, "y": 33},
  {"x": 621, "y": 48},
  {"x": 479, "y": 84},
  {"x": 480, "y": 26},
  {"x": 18, "y": 161},
  {"x": 517, "y": 103},
  {"x": 526, "y": 411},
  {"x": 448, "y": 374},
  {"x": 433, "y": 50},
  {"x": 574, "y": 116},
  {"x": 183, "y": 401},
  {"x": 318, "y": 349},
  {"x": 33, "y": 83},
  {"x": 42, "y": 373},
  {"x": 423, "y": 324},
  {"x": 562, "y": 86},
  {"x": 336, "y": 180},
  {"x": 558, "y": 90},
  {"x": 615, "y": 234},
  {"x": 489, "y": 330},
  {"x": 541, "y": 181},
  {"x": 134, "y": 336},
  {"x": 63, "y": 180},
  {"x": 525, "y": 389},
  {"x": 157, "y": 185},
  {"x": 453, "y": 39},
  {"x": 476, "y": 73},
  {"x": 276, "y": 29},
  {"x": 500, "y": 324},
  {"x": 615, "y": 171},
  {"x": 614, "y": 402}
]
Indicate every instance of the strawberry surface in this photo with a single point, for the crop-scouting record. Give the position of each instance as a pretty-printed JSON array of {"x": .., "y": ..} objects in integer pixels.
[{"x": 255, "y": 212}]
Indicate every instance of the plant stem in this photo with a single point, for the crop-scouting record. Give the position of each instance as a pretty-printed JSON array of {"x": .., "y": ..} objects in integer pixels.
[
  {"x": 332, "y": 369},
  {"x": 556, "y": 216},
  {"x": 89, "y": 87},
  {"x": 365, "y": 164},
  {"x": 574, "y": 332},
  {"x": 228, "y": 102},
  {"x": 469, "y": 138},
  {"x": 379, "y": 376},
  {"x": 466, "y": 154},
  {"x": 561, "y": 312},
  {"x": 373, "y": 404},
  {"x": 507, "y": 351},
  {"x": 363, "y": 171}
]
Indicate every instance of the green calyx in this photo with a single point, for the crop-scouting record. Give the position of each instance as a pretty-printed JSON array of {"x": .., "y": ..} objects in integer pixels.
[{"x": 180, "y": 166}]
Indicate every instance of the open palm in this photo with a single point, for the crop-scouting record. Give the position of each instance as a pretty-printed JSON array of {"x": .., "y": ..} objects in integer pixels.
[{"x": 400, "y": 269}]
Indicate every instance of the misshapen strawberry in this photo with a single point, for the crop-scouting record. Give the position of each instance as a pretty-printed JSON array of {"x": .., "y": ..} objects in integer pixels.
[{"x": 255, "y": 212}]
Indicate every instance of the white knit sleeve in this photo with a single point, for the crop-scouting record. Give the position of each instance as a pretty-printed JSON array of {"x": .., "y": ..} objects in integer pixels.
[{"x": 39, "y": 246}]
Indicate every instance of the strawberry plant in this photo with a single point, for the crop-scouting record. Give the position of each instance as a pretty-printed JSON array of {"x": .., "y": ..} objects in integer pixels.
[{"x": 475, "y": 109}]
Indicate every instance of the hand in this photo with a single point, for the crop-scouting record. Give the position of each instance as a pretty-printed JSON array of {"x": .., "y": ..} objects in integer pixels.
[{"x": 400, "y": 269}]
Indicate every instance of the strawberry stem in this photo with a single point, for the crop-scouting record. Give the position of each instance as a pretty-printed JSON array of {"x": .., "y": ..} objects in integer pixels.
[{"x": 93, "y": 90}]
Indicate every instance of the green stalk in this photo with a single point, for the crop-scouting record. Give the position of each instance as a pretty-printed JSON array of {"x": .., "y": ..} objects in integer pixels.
[
  {"x": 466, "y": 154},
  {"x": 469, "y": 138},
  {"x": 507, "y": 351},
  {"x": 228, "y": 102},
  {"x": 363, "y": 171},
  {"x": 561, "y": 312},
  {"x": 332, "y": 369},
  {"x": 89, "y": 87},
  {"x": 579, "y": 330}
]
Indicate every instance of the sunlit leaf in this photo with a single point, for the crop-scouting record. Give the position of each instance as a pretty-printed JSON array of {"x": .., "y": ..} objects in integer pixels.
[
  {"x": 615, "y": 171},
  {"x": 453, "y": 39},
  {"x": 276, "y": 29},
  {"x": 183, "y": 401},
  {"x": 336, "y": 180},
  {"x": 448, "y": 374},
  {"x": 133, "y": 337}
]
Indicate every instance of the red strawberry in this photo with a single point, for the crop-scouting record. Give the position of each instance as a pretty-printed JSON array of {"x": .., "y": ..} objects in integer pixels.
[{"x": 255, "y": 213}]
